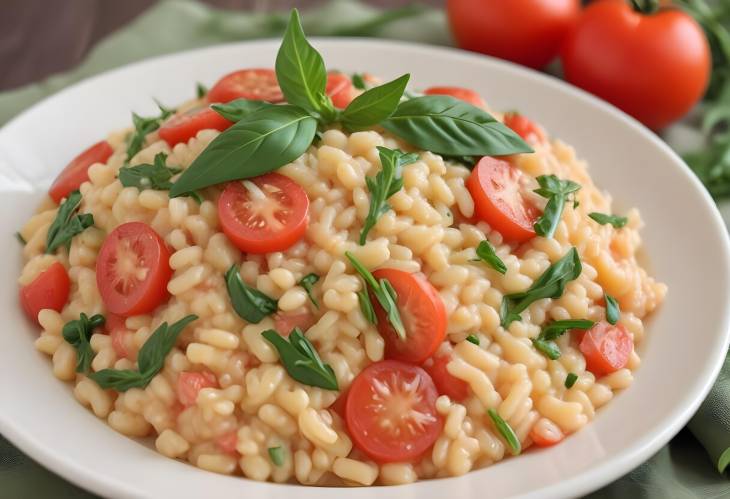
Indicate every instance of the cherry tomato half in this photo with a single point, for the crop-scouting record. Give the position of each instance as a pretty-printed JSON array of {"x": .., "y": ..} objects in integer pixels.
[
  {"x": 422, "y": 312},
  {"x": 391, "y": 411},
  {"x": 189, "y": 384},
  {"x": 494, "y": 185},
  {"x": 50, "y": 289},
  {"x": 264, "y": 214},
  {"x": 606, "y": 348},
  {"x": 524, "y": 127},
  {"x": 545, "y": 433},
  {"x": 340, "y": 89},
  {"x": 77, "y": 171},
  {"x": 253, "y": 84},
  {"x": 446, "y": 383},
  {"x": 184, "y": 127},
  {"x": 460, "y": 93},
  {"x": 132, "y": 269}
]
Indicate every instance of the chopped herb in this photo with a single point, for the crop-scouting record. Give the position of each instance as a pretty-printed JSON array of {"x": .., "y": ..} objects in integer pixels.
[
  {"x": 20, "y": 238},
  {"x": 604, "y": 219},
  {"x": 276, "y": 454},
  {"x": 77, "y": 333},
  {"x": 145, "y": 176},
  {"x": 613, "y": 312},
  {"x": 67, "y": 225},
  {"x": 358, "y": 81},
  {"x": 472, "y": 338},
  {"x": 549, "y": 348},
  {"x": 307, "y": 282},
  {"x": 557, "y": 192},
  {"x": 301, "y": 360},
  {"x": 545, "y": 341},
  {"x": 506, "y": 431},
  {"x": 200, "y": 90},
  {"x": 487, "y": 254},
  {"x": 144, "y": 127},
  {"x": 366, "y": 306},
  {"x": 249, "y": 303},
  {"x": 570, "y": 380}
]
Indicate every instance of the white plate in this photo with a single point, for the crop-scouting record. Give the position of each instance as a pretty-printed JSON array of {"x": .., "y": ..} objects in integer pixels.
[{"x": 685, "y": 239}]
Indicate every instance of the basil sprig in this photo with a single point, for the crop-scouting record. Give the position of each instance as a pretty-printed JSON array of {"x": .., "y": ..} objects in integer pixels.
[
  {"x": 613, "y": 312},
  {"x": 77, "y": 333},
  {"x": 249, "y": 303},
  {"x": 308, "y": 282},
  {"x": 506, "y": 431},
  {"x": 487, "y": 254},
  {"x": 238, "y": 109},
  {"x": 545, "y": 341},
  {"x": 150, "y": 360},
  {"x": 557, "y": 192},
  {"x": 301, "y": 360},
  {"x": 387, "y": 182},
  {"x": 66, "y": 224},
  {"x": 374, "y": 105},
  {"x": 604, "y": 219},
  {"x": 144, "y": 127},
  {"x": 550, "y": 284}
]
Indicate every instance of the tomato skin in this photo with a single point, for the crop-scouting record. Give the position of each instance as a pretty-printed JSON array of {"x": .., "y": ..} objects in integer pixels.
[
  {"x": 446, "y": 383},
  {"x": 528, "y": 32},
  {"x": 138, "y": 241},
  {"x": 189, "y": 384},
  {"x": 77, "y": 171},
  {"x": 545, "y": 433},
  {"x": 460, "y": 93},
  {"x": 524, "y": 127},
  {"x": 184, "y": 127},
  {"x": 510, "y": 214},
  {"x": 117, "y": 329},
  {"x": 654, "y": 67},
  {"x": 252, "y": 84},
  {"x": 340, "y": 89},
  {"x": 364, "y": 420},
  {"x": 50, "y": 289},
  {"x": 252, "y": 233},
  {"x": 606, "y": 348},
  {"x": 227, "y": 442},
  {"x": 285, "y": 322},
  {"x": 423, "y": 314}
]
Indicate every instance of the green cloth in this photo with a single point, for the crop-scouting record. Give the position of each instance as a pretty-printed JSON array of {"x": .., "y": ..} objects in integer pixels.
[{"x": 679, "y": 470}]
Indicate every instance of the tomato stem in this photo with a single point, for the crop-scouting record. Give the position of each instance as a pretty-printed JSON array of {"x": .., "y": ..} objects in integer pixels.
[{"x": 645, "y": 6}]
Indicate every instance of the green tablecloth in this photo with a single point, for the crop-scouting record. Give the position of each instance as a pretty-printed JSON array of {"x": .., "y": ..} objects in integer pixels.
[{"x": 682, "y": 469}]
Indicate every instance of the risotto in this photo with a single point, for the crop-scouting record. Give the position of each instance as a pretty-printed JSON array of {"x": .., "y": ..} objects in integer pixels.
[{"x": 311, "y": 277}]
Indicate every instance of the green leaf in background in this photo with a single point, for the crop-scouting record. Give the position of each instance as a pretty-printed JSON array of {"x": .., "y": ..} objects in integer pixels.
[
  {"x": 66, "y": 225},
  {"x": 249, "y": 303},
  {"x": 238, "y": 109},
  {"x": 374, "y": 105},
  {"x": 77, "y": 333},
  {"x": 301, "y": 360}
]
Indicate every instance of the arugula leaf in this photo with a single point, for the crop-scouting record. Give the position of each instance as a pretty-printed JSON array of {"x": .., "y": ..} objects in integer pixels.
[
  {"x": 77, "y": 333},
  {"x": 308, "y": 282},
  {"x": 238, "y": 109},
  {"x": 556, "y": 191},
  {"x": 358, "y": 81},
  {"x": 387, "y": 182},
  {"x": 261, "y": 142},
  {"x": 144, "y": 127},
  {"x": 374, "y": 105},
  {"x": 604, "y": 219},
  {"x": 66, "y": 225},
  {"x": 545, "y": 341},
  {"x": 472, "y": 338},
  {"x": 249, "y": 303},
  {"x": 506, "y": 431},
  {"x": 276, "y": 454},
  {"x": 487, "y": 254},
  {"x": 200, "y": 90},
  {"x": 145, "y": 176},
  {"x": 366, "y": 306},
  {"x": 550, "y": 284},
  {"x": 445, "y": 125},
  {"x": 613, "y": 311},
  {"x": 301, "y": 360},
  {"x": 570, "y": 380}
]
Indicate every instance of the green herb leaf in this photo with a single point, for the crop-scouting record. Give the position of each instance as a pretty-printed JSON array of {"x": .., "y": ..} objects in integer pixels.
[
  {"x": 604, "y": 219},
  {"x": 570, "y": 380},
  {"x": 468, "y": 161},
  {"x": 550, "y": 284},
  {"x": 506, "y": 431},
  {"x": 200, "y": 90},
  {"x": 556, "y": 328},
  {"x": 308, "y": 282},
  {"x": 276, "y": 454},
  {"x": 20, "y": 238},
  {"x": 238, "y": 109},
  {"x": 77, "y": 333},
  {"x": 261, "y": 142},
  {"x": 613, "y": 312},
  {"x": 556, "y": 191},
  {"x": 249, "y": 303},
  {"x": 548, "y": 348},
  {"x": 448, "y": 126},
  {"x": 358, "y": 81},
  {"x": 119, "y": 379},
  {"x": 301, "y": 360},
  {"x": 366, "y": 306},
  {"x": 472, "y": 338},
  {"x": 144, "y": 127},
  {"x": 374, "y": 105},
  {"x": 387, "y": 182},
  {"x": 66, "y": 225},
  {"x": 145, "y": 176},
  {"x": 487, "y": 254}
]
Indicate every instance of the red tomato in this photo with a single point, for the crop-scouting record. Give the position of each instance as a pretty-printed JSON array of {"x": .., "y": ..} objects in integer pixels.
[
  {"x": 606, "y": 348},
  {"x": 115, "y": 325},
  {"x": 524, "y": 127},
  {"x": 227, "y": 442},
  {"x": 391, "y": 411},
  {"x": 77, "y": 171},
  {"x": 132, "y": 270},
  {"x": 189, "y": 384},
  {"x": 422, "y": 312},
  {"x": 460, "y": 93},
  {"x": 494, "y": 185},
  {"x": 252, "y": 84},
  {"x": 546, "y": 433},
  {"x": 446, "y": 383},
  {"x": 268, "y": 214},
  {"x": 655, "y": 67},
  {"x": 50, "y": 289},
  {"x": 528, "y": 32},
  {"x": 184, "y": 127},
  {"x": 285, "y": 322},
  {"x": 340, "y": 89}
]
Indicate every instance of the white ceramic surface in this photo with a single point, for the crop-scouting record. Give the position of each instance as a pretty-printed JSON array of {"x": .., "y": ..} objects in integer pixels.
[{"x": 684, "y": 236}]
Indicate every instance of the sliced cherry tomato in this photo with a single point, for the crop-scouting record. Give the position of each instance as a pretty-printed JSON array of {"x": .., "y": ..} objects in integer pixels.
[
  {"x": 340, "y": 89},
  {"x": 446, "y": 383},
  {"x": 606, "y": 348},
  {"x": 284, "y": 322},
  {"x": 118, "y": 332},
  {"x": 494, "y": 185},
  {"x": 252, "y": 84},
  {"x": 50, "y": 289},
  {"x": 524, "y": 127},
  {"x": 77, "y": 171},
  {"x": 422, "y": 312},
  {"x": 460, "y": 93},
  {"x": 227, "y": 442},
  {"x": 189, "y": 384},
  {"x": 264, "y": 214},
  {"x": 391, "y": 411},
  {"x": 546, "y": 433},
  {"x": 184, "y": 127},
  {"x": 132, "y": 269}
]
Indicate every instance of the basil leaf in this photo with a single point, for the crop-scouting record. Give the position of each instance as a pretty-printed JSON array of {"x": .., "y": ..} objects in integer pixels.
[
  {"x": 20, "y": 238},
  {"x": 358, "y": 81},
  {"x": 547, "y": 347},
  {"x": 276, "y": 454},
  {"x": 387, "y": 182},
  {"x": 556, "y": 329},
  {"x": 487, "y": 253},
  {"x": 308, "y": 282},
  {"x": 144, "y": 127},
  {"x": 468, "y": 161},
  {"x": 77, "y": 333},
  {"x": 300, "y": 71},
  {"x": 604, "y": 219},
  {"x": 374, "y": 105},
  {"x": 472, "y": 338},
  {"x": 249, "y": 303},
  {"x": 445, "y": 125},
  {"x": 145, "y": 176},
  {"x": 301, "y": 360},
  {"x": 261, "y": 142},
  {"x": 557, "y": 192},
  {"x": 366, "y": 306},
  {"x": 613, "y": 312},
  {"x": 120, "y": 379},
  {"x": 550, "y": 284},
  {"x": 200, "y": 90},
  {"x": 66, "y": 225},
  {"x": 238, "y": 109},
  {"x": 506, "y": 431},
  {"x": 570, "y": 380}
]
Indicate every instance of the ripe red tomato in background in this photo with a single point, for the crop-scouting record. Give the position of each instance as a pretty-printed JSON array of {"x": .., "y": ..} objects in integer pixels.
[{"x": 528, "y": 32}]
